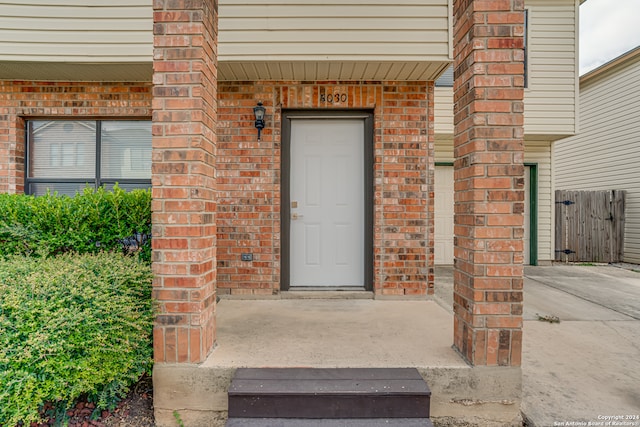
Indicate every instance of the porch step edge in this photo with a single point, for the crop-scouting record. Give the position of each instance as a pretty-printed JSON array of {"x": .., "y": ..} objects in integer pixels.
[
  {"x": 329, "y": 374},
  {"x": 329, "y": 393},
  {"x": 314, "y": 293}
]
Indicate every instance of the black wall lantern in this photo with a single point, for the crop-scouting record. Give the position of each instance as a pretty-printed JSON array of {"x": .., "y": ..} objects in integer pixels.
[{"x": 259, "y": 111}]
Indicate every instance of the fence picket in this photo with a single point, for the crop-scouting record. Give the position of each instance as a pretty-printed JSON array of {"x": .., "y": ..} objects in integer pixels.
[{"x": 589, "y": 225}]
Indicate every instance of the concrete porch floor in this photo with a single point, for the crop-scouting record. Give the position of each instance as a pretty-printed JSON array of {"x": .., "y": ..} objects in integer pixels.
[
  {"x": 581, "y": 369},
  {"x": 323, "y": 333},
  {"x": 341, "y": 333}
]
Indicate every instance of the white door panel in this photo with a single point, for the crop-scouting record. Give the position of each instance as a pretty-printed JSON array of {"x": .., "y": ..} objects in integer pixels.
[{"x": 327, "y": 202}]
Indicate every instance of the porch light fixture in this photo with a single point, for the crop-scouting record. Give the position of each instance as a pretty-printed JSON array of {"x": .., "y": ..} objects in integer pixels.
[{"x": 259, "y": 111}]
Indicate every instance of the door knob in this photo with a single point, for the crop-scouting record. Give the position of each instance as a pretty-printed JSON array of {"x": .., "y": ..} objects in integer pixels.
[{"x": 295, "y": 216}]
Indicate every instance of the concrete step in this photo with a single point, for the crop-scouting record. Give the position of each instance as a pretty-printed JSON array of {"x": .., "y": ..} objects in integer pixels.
[
  {"x": 349, "y": 393},
  {"x": 298, "y": 422}
]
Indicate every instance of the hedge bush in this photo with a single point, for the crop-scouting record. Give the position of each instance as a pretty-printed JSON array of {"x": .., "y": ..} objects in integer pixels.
[
  {"x": 70, "y": 326},
  {"x": 90, "y": 222}
]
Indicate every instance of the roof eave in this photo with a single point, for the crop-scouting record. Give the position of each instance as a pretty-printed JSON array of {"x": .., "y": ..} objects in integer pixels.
[{"x": 625, "y": 57}]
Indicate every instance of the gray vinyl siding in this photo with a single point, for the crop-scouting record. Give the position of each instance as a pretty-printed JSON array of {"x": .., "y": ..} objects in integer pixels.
[
  {"x": 551, "y": 93},
  {"x": 258, "y": 39},
  {"x": 539, "y": 153},
  {"x": 333, "y": 39},
  {"x": 552, "y": 73},
  {"x": 604, "y": 155},
  {"x": 443, "y": 110},
  {"x": 373, "y": 30},
  {"x": 107, "y": 31}
]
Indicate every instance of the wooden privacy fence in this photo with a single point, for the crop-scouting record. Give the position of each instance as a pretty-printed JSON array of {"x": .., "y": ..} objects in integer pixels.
[{"x": 590, "y": 226}]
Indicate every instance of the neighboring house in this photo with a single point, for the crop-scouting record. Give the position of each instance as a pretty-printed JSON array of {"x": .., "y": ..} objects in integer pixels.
[
  {"x": 352, "y": 164},
  {"x": 604, "y": 154},
  {"x": 549, "y": 115}
]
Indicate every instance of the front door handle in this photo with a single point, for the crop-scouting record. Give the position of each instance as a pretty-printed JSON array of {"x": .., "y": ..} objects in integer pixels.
[{"x": 295, "y": 216}]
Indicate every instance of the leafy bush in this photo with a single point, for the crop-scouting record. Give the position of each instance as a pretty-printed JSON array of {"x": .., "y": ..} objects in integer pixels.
[
  {"x": 71, "y": 325},
  {"x": 90, "y": 222}
]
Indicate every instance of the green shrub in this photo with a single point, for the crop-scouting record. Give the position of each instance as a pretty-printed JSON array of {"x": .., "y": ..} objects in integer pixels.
[
  {"x": 71, "y": 325},
  {"x": 90, "y": 222}
]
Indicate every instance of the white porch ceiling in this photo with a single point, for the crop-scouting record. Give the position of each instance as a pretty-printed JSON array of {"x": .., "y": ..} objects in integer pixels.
[{"x": 330, "y": 70}]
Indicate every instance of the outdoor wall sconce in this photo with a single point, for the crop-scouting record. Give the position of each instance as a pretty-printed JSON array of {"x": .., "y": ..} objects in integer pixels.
[{"x": 259, "y": 111}]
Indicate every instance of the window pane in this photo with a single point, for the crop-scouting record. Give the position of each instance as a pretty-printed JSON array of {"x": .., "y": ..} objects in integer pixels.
[
  {"x": 66, "y": 188},
  {"x": 126, "y": 150},
  {"x": 63, "y": 149}
]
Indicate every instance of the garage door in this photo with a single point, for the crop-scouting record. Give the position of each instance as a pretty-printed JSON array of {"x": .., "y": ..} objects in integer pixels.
[
  {"x": 443, "y": 242},
  {"x": 443, "y": 207}
]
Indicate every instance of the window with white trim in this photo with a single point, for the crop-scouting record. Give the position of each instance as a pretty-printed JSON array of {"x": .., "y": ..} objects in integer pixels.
[{"x": 65, "y": 156}]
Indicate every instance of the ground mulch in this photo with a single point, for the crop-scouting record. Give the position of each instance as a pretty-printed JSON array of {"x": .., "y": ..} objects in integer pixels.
[{"x": 136, "y": 410}]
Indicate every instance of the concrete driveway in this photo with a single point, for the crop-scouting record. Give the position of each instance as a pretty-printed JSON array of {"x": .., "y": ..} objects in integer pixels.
[{"x": 585, "y": 369}]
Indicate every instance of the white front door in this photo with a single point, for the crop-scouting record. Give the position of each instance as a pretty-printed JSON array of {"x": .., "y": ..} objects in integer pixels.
[{"x": 327, "y": 202}]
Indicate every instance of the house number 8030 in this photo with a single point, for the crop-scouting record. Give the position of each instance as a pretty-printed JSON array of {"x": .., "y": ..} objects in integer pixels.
[{"x": 333, "y": 97}]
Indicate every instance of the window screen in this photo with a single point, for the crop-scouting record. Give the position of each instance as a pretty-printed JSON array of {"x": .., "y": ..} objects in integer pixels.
[
  {"x": 126, "y": 150},
  {"x": 64, "y": 156},
  {"x": 63, "y": 150}
]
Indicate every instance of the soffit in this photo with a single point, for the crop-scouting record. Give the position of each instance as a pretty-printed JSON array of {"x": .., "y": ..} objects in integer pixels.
[
  {"x": 330, "y": 70},
  {"x": 230, "y": 71},
  {"x": 55, "y": 71}
]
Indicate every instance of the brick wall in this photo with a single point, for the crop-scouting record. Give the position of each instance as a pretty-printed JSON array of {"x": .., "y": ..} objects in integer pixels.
[
  {"x": 489, "y": 180},
  {"x": 249, "y": 180},
  {"x": 184, "y": 178},
  {"x": 23, "y": 100}
]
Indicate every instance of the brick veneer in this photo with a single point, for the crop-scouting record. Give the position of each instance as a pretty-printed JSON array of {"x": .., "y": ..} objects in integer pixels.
[
  {"x": 489, "y": 174},
  {"x": 23, "y": 100},
  {"x": 183, "y": 178},
  {"x": 489, "y": 180},
  {"x": 249, "y": 180}
]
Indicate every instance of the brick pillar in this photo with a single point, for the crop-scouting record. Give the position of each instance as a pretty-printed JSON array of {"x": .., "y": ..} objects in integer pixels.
[
  {"x": 12, "y": 148},
  {"x": 489, "y": 180},
  {"x": 184, "y": 185}
]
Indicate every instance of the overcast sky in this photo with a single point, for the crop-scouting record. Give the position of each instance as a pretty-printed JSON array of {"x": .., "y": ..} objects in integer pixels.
[{"x": 608, "y": 28}]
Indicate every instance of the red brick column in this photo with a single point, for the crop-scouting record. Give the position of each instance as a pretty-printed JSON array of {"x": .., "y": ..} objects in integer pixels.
[
  {"x": 184, "y": 185},
  {"x": 12, "y": 150},
  {"x": 489, "y": 180}
]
